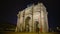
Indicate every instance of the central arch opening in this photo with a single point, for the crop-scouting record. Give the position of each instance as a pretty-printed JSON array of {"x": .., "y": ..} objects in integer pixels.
[{"x": 27, "y": 24}]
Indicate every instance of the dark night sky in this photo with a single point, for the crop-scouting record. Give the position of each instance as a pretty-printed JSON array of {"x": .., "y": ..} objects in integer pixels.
[{"x": 9, "y": 10}]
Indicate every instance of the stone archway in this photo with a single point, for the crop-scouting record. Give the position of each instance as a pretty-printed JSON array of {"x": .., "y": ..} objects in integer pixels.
[
  {"x": 36, "y": 26},
  {"x": 27, "y": 24}
]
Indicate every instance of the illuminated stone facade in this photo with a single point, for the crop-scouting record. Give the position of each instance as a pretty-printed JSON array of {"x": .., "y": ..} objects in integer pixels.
[{"x": 33, "y": 19}]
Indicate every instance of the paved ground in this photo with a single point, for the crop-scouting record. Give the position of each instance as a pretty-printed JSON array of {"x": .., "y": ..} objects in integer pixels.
[{"x": 27, "y": 33}]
